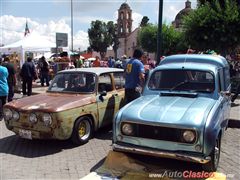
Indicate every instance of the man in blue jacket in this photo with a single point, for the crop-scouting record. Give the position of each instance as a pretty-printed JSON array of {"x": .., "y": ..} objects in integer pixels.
[
  {"x": 3, "y": 88},
  {"x": 28, "y": 74}
]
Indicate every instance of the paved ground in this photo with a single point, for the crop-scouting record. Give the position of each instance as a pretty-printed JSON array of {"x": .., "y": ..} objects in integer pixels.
[{"x": 25, "y": 159}]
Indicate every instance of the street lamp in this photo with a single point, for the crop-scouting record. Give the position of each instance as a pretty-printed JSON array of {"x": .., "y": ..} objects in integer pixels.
[{"x": 159, "y": 35}]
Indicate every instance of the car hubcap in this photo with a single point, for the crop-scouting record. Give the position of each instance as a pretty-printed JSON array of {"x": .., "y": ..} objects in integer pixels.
[{"x": 84, "y": 130}]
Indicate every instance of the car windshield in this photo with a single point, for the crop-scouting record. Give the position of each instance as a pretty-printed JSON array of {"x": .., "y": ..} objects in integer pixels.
[
  {"x": 182, "y": 80},
  {"x": 73, "y": 82}
]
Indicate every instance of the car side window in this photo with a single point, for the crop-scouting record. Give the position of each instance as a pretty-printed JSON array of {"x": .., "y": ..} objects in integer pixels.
[
  {"x": 219, "y": 82},
  {"x": 105, "y": 83},
  {"x": 119, "y": 80}
]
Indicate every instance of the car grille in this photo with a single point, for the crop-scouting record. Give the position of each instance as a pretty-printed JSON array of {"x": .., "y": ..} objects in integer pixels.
[{"x": 159, "y": 133}]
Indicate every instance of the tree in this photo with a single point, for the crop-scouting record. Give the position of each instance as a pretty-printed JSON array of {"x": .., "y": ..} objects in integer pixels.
[
  {"x": 101, "y": 36},
  {"x": 221, "y": 2},
  {"x": 172, "y": 40},
  {"x": 214, "y": 26},
  {"x": 144, "y": 21}
]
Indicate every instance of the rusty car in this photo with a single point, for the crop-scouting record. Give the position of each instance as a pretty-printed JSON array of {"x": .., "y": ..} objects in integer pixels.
[{"x": 77, "y": 103}]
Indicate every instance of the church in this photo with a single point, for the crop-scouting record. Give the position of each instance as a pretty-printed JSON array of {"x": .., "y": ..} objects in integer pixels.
[{"x": 128, "y": 37}]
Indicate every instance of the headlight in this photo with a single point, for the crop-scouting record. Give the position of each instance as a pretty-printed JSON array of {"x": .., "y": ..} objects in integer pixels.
[
  {"x": 7, "y": 114},
  {"x": 189, "y": 136},
  {"x": 127, "y": 129},
  {"x": 15, "y": 115},
  {"x": 33, "y": 118},
  {"x": 47, "y": 119}
]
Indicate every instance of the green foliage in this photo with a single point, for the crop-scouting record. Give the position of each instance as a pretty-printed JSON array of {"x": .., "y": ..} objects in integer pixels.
[
  {"x": 172, "y": 40},
  {"x": 214, "y": 26},
  {"x": 101, "y": 36},
  {"x": 147, "y": 38}
]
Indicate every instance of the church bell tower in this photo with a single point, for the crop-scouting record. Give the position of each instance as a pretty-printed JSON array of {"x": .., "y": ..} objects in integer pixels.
[{"x": 124, "y": 22}]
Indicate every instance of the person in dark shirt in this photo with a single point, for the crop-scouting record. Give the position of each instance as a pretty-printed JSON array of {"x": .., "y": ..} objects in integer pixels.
[
  {"x": 44, "y": 71},
  {"x": 233, "y": 74},
  {"x": 11, "y": 78},
  {"x": 28, "y": 74}
]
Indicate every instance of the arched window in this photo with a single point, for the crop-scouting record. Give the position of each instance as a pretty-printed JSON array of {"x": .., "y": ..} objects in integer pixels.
[
  {"x": 121, "y": 15},
  {"x": 127, "y": 16}
]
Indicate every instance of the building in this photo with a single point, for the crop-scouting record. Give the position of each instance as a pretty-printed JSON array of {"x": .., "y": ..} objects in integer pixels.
[
  {"x": 127, "y": 37},
  {"x": 178, "y": 22}
]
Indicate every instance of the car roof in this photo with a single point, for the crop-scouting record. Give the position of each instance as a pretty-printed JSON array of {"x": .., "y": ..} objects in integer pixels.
[
  {"x": 187, "y": 66},
  {"x": 216, "y": 60},
  {"x": 95, "y": 70}
]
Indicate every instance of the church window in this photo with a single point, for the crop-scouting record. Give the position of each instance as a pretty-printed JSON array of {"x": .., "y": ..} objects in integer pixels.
[{"x": 121, "y": 15}]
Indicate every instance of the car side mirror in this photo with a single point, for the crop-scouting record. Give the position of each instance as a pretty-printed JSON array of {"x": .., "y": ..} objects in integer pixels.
[{"x": 104, "y": 93}]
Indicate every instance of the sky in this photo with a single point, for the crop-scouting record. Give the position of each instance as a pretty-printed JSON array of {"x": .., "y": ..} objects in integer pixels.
[{"x": 47, "y": 17}]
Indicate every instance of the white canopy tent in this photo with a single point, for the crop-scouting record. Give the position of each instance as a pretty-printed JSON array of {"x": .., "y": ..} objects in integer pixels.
[{"x": 33, "y": 42}]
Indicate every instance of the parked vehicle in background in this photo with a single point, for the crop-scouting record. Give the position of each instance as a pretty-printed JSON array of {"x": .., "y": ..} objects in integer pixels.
[
  {"x": 77, "y": 103},
  {"x": 182, "y": 114}
]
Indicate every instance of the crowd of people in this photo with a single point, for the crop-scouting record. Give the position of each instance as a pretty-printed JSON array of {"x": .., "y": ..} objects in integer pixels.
[
  {"x": 235, "y": 74},
  {"x": 136, "y": 71}
]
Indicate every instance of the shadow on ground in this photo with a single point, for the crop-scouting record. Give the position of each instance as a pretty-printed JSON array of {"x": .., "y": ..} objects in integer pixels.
[
  {"x": 104, "y": 133},
  {"x": 32, "y": 148},
  {"x": 234, "y": 123}
]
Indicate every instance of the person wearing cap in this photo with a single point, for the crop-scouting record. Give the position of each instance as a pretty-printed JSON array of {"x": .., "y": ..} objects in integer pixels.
[
  {"x": 3, "y": 88},
  {"x": 134, "y": 76},
  {"x": 124, "y": 61},
  {"x": 11, "y": 78}
]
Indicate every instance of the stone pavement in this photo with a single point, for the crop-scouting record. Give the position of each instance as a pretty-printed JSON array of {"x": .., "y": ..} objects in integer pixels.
[{"x": 52, "y": 159}]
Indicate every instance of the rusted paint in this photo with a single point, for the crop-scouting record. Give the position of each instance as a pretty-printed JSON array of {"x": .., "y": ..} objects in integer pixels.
[
  {"x": 51, "y": 102},
  {"x": 64, "y": 109}
]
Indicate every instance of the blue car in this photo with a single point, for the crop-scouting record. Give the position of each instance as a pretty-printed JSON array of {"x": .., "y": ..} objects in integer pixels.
[{"x": 182, "y": 114}]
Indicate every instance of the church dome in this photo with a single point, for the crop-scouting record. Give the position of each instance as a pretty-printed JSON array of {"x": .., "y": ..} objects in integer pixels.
[
  {"x": 184, "y": 12},
  {"x": 124, "y": 6}
]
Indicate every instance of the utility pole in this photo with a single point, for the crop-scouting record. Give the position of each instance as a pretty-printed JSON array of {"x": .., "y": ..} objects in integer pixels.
[
  {"x": 71, "y": 25},
  {"x": 159, "y": 35}
]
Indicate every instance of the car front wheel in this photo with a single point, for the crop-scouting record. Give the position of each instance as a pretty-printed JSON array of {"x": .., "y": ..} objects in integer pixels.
[
  {"x": 82, "y": 130},
  {"x": 212, "y": 165}
]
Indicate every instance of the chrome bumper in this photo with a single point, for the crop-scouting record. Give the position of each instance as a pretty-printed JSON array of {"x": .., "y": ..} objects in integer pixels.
[{"x": 158, "y": 153}]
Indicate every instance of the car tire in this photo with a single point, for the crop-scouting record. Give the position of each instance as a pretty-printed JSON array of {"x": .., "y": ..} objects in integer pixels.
[
  {"x": 82, "y": 130},
  {"x": 212, "y": 165}
]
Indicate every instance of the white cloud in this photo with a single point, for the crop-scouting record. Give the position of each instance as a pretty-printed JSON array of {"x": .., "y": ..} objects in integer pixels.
[
  {"x": 81, "y": 40},
  {"x": 172, "y": 8},
  {"x": 137, "y": 18},
  {"x": 12, "y": 30}
]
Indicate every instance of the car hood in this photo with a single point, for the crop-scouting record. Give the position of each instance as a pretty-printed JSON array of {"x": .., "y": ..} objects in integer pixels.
[
  {"x": 51, "y": 102},
  {"x": 183, "y": 111}
]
